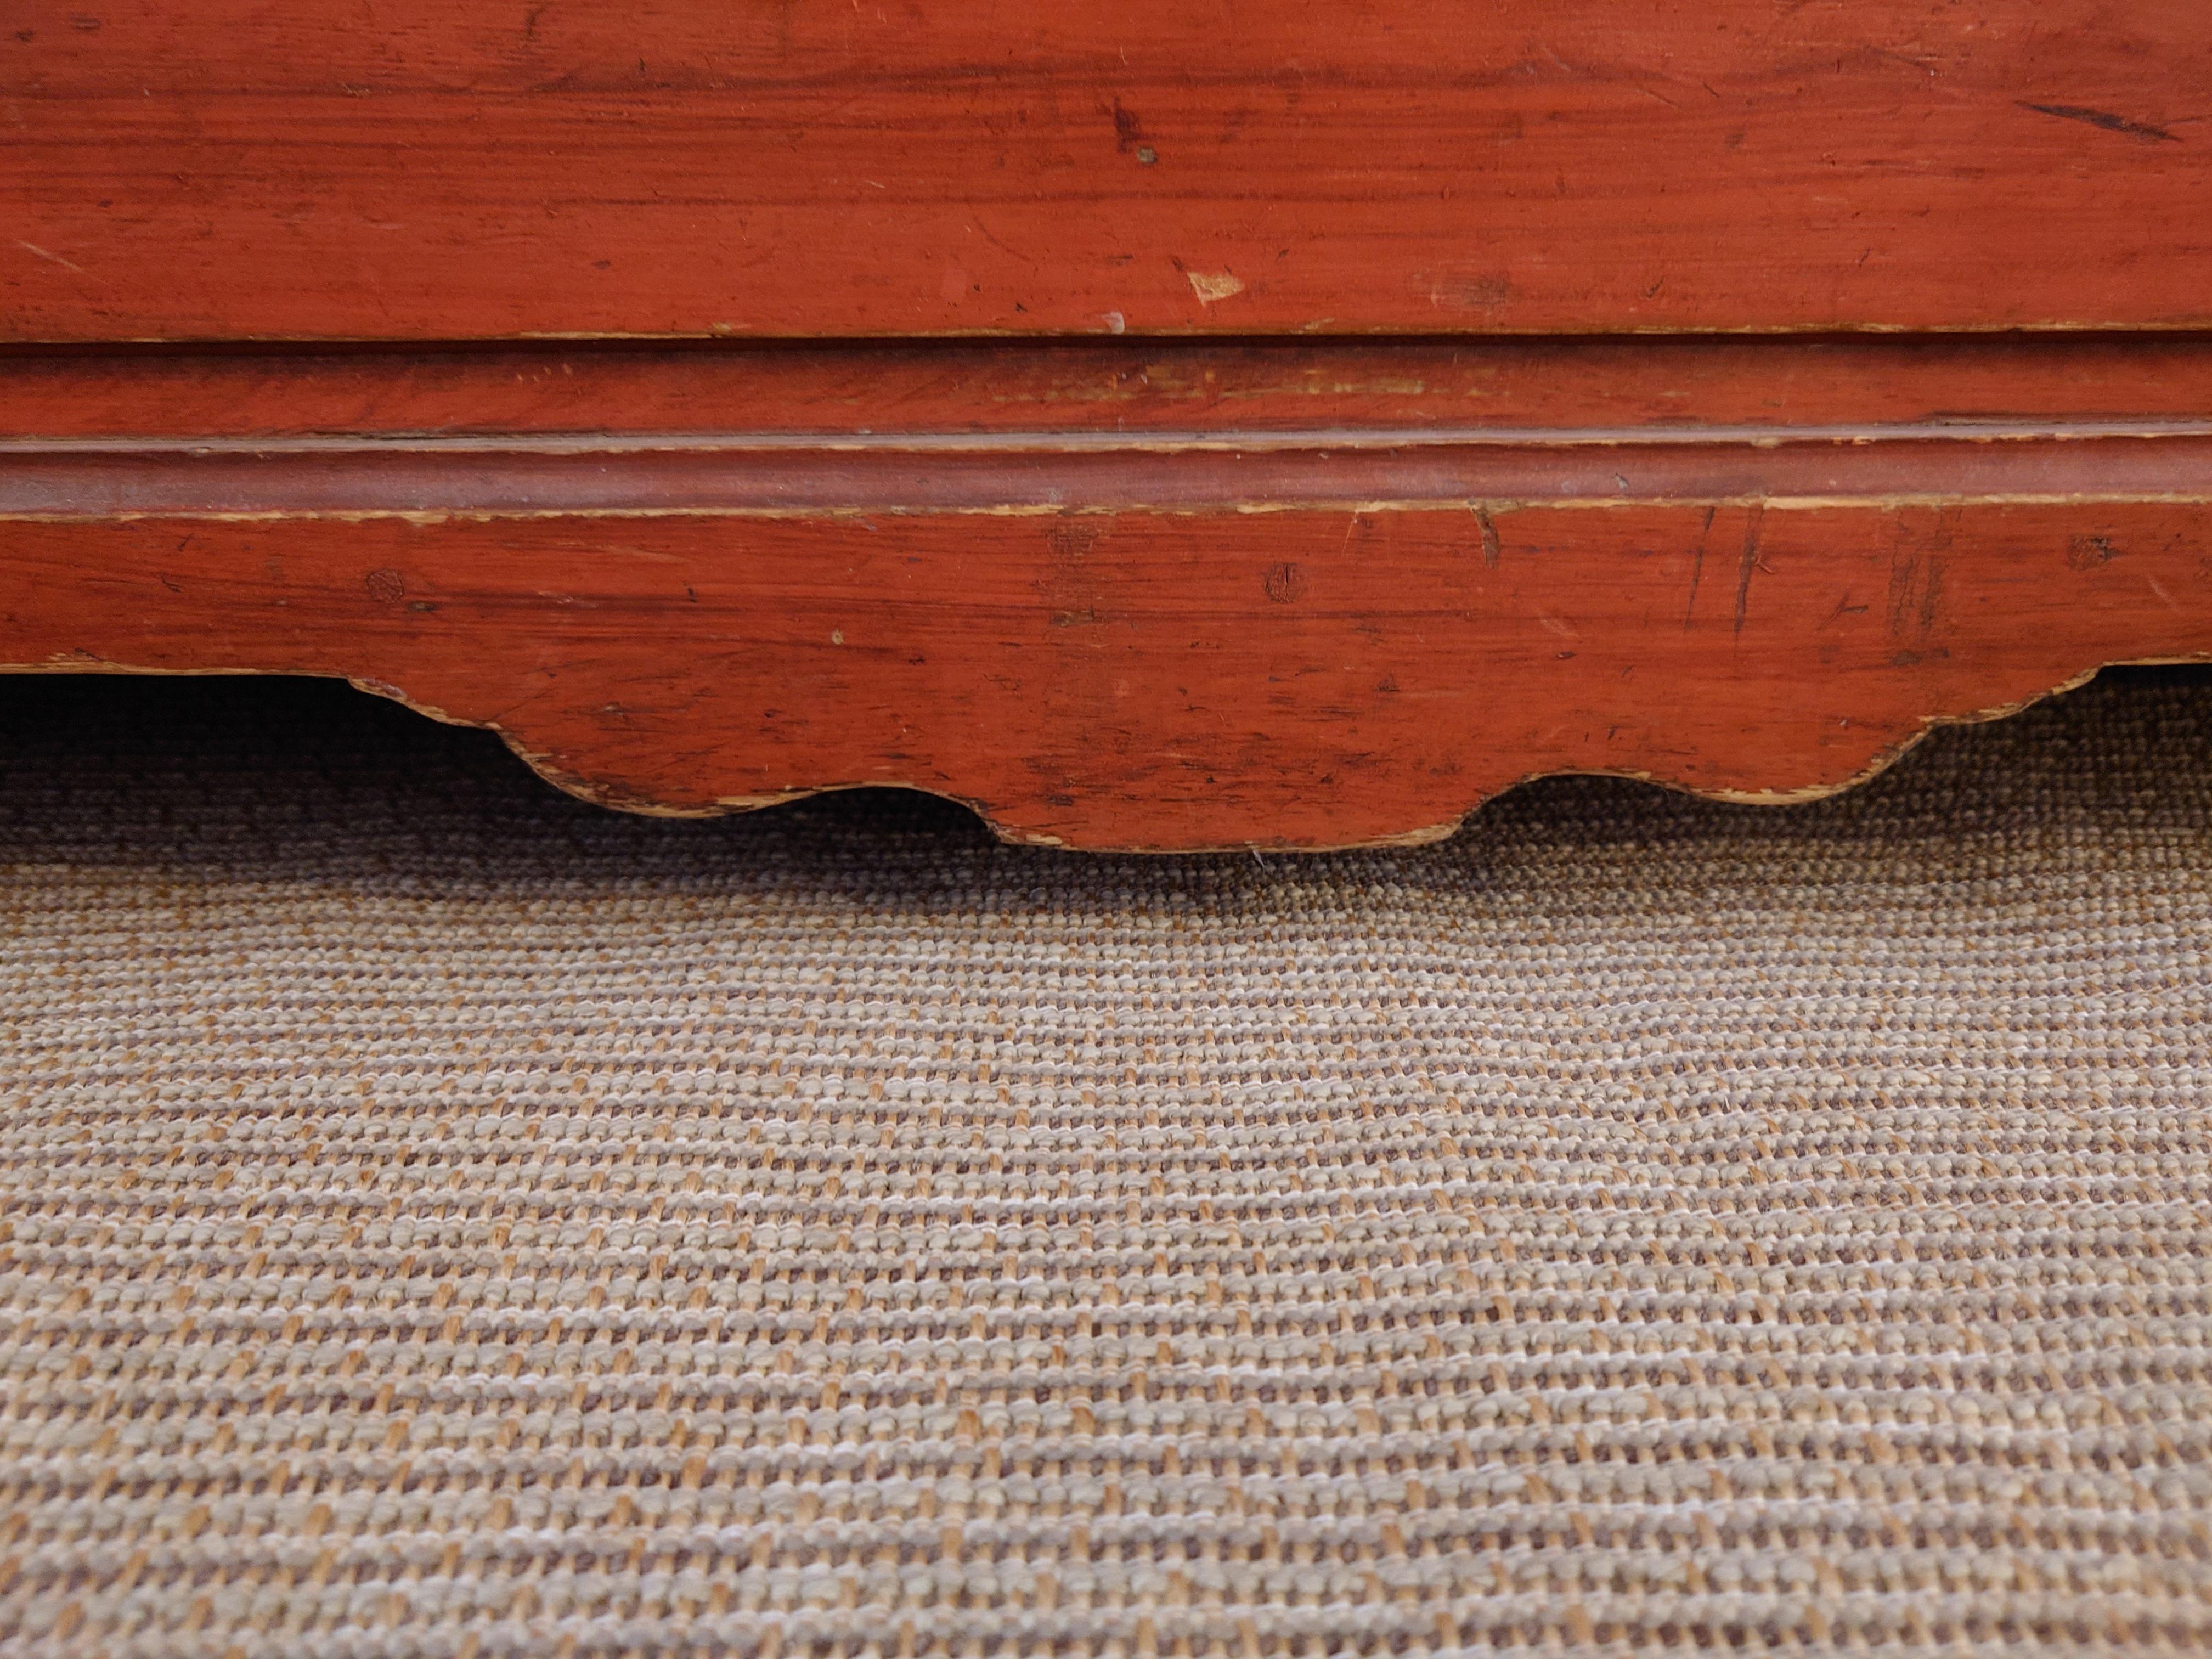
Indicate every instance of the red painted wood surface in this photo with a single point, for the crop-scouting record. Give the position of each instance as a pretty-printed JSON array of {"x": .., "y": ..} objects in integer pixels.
[
  {"x": 1700, "y": 383},
  {"x": 1135, "y": 595},
  {"x": 372, "y": 169},
  {"x": 1141, "y": 680}
]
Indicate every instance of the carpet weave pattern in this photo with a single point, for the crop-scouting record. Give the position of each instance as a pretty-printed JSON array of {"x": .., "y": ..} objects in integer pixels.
[{"x": 438, "y": 1218}]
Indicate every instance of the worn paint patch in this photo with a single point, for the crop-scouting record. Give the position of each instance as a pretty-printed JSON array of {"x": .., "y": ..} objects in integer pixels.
[
  {"x": 1492, "y": 552},
  {"x": 1213, "y": 286}
]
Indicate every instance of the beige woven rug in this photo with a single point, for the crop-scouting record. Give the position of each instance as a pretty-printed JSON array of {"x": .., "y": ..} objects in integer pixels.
[{"x": 443, "y": 1219}]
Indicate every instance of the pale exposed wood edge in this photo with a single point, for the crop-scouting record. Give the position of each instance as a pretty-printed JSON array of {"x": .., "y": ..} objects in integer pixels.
[{"x": 571, "y": 781}]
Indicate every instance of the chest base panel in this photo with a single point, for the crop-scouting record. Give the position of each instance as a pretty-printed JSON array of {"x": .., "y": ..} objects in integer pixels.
[{"x": 1137, "y": 595}]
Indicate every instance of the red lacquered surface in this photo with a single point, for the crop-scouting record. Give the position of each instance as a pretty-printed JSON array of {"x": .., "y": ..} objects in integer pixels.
[
  {"x": 495, "y": 168},
  {"x": 1136, "y": 595}
]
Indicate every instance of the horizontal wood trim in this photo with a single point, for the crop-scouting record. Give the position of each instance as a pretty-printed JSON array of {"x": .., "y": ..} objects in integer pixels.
[
  {"x": 1209, "y": 472},
  {"x": 1120, "y": 595},
  {"x": 506, "y": 168},
  {"x": 1116, "y": 387},
  {"x": 1126, "y": 427}
]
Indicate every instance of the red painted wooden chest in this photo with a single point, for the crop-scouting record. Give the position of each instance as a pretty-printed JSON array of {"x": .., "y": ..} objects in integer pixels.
[{"x": 1158, "y": 426}]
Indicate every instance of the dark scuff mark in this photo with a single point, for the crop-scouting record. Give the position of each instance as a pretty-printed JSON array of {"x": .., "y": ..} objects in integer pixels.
[
  {"x": 1129, "y": 135},
  {"x": 1491, "y": 551},
  {"x": 2142, "y": 131},
  {"x": 1904, "y": 571},
  {"x": 1748, "y": 564},
  {"x": 2088, "y": 552},
  {"x": 1479, "y": 293},
  {"x": 1698, "y": 568},
  {"x": 1071, "y": 540},
  {"x": 1931, "y": 589}
]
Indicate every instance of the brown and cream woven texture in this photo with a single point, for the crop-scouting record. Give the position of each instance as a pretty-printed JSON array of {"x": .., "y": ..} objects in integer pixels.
[{"x": 444, "y": 1219}]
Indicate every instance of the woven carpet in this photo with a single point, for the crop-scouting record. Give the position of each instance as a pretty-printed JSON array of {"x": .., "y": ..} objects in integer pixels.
[{"x": 440, "y": 1217}]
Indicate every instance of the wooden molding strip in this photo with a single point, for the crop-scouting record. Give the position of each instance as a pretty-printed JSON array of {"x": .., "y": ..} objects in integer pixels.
[
  {"x": 1195, "y": 472},
  {"x": 1061, "y": 391},
  {"x": 1137, "y": 595}
]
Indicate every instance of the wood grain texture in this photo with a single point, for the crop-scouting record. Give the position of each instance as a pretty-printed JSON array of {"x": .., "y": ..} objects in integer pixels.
[
  {"x": 1302, "y": 679},
  {"x": 1565, "y": 387},
  {"x": 1136, "y": 595},
  {"x": 437, "y": 169}
]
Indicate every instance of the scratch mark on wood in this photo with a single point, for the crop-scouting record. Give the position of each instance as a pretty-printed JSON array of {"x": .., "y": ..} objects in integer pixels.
[
  {"x": 1491, "y": 551},
  {"x": 1748, "y": 564},
  {"x": 1698, "y": 568},
  {"x": 1903, "y": 568},
  {"x": 1845, "y": 608},
  {"x": 2142, "y": 131},
  {"x": 49, "y": 255}
]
